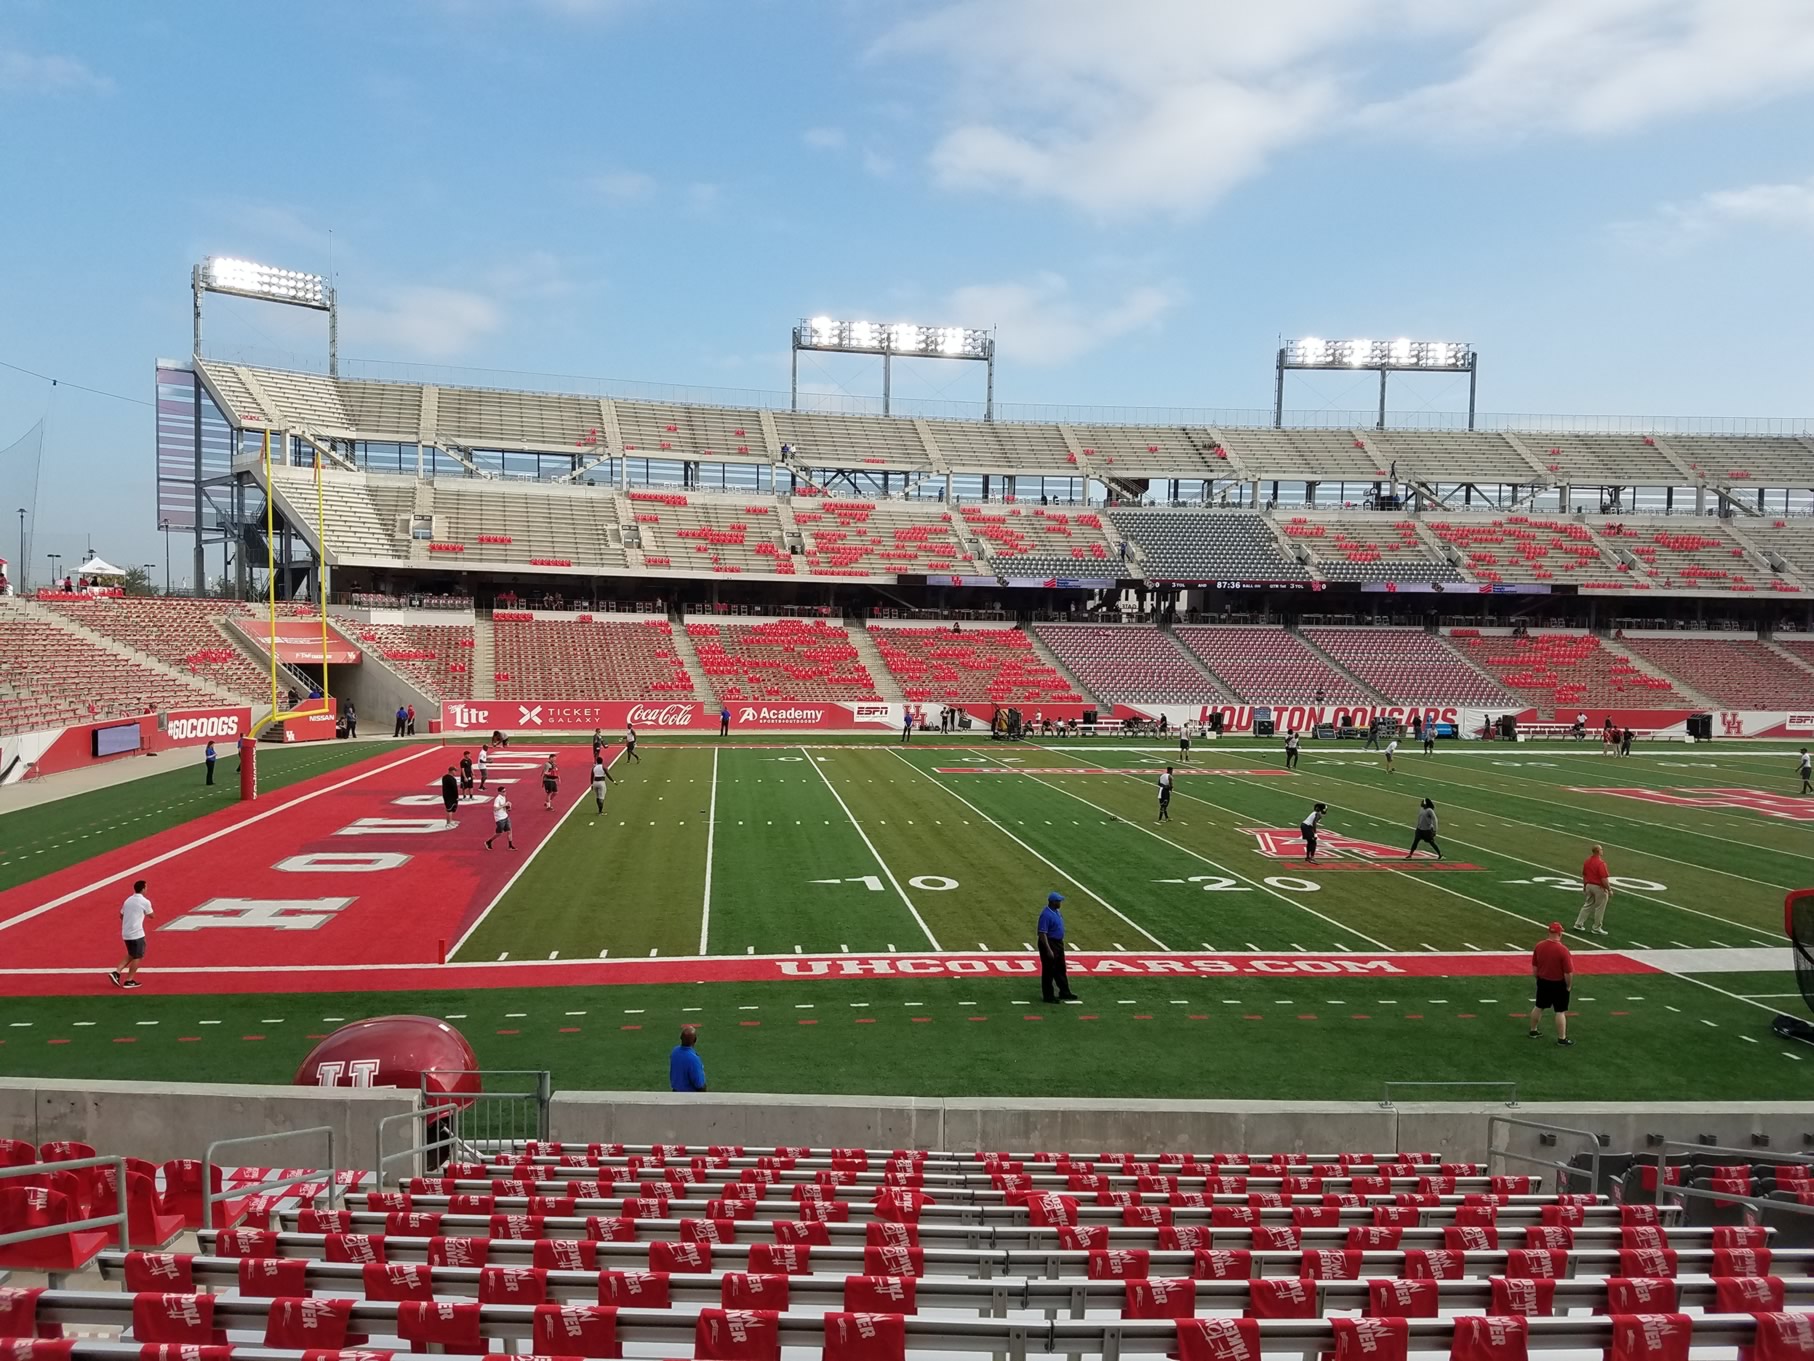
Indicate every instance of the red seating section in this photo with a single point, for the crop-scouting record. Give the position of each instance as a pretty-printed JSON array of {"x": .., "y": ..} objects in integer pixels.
[
  {"x": 1562, "y": 673},
  {"x": 862, "y": 538},
  {"x": 1520, "y": 548},
  {"x": 180, "y": 633},
  {"x": 49, "y": 678},
  {"x": 437, "y": 657},
  {"x": 1269, "y": 666},
  {"x": 1690, "y": 561},
  {"x": 781, "y": 659},
  {"x": 1000, "y": 666},
  {"x": 1739, "y": 673},
  {"x": 588, "y": 659},
  {"x": 1128, "y": 663},
  {"x": 1408, "y": 666}
]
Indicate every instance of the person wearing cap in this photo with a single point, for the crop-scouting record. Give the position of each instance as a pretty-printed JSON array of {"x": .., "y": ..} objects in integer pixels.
[
  {"x": 1554, "y": 969},
  {"x": 1053, "y": 985}
]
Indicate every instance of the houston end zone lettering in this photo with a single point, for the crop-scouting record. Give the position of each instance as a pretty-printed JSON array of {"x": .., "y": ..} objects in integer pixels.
[
  {"x": 1303, "y": 717},
  {"x": 1752, "y": 800}
]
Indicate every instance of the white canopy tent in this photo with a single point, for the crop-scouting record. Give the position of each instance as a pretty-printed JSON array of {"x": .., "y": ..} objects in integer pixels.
[{"x": 100, "y": 567}]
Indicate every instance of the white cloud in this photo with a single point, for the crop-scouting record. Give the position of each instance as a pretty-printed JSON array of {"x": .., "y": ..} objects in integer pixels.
[
  {"x": 1605, "y": 67},
  {"x": 424, "y": 322},
  {"x": 29, "y": 73},
  {"x": 876, "y": 164},
  {"x": 1040, "y": 322},
  {"x": 624, "y": 184},
  {"x": 824, "y": 139},
  {"x": 1166, "y": 105},
  {"x": 1776, "y": 207}
]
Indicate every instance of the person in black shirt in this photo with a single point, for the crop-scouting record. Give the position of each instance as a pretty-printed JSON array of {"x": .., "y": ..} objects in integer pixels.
[
  {"x": 450, "y": 794},
  {"x": 466, "y": 775}
]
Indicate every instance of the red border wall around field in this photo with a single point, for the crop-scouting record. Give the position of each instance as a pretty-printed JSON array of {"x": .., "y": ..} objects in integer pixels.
[{"x": 71, "y": 748}]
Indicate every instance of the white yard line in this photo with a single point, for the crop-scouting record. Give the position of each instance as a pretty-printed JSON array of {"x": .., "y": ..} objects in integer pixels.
[
  {"x": 1538, "y": 864},
  {"x": 881, "y": 863},
  {"x": 1065, "y": 874},
  {"x": 711, "y": 826},
  {"x": 528, "y": 860},
  {"x": 1268, "y": 889}
]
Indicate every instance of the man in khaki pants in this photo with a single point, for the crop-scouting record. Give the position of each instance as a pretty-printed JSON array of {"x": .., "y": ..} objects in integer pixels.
[{"x": 1598, "y": 885}]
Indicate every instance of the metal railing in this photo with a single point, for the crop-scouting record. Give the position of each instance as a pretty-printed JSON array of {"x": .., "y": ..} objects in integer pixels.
[
  {"x": 1562, "y": 1168},
  {"x": 1510, "y": 1089},
  {"x": 330, "y": 1170},
  {"x": 510, "y": 1105},
  {"x": 1684, "y": 1194},
  {"x": 1108, "y": 1339},
  {"x": 430, "y": 1149},
  {"x": 117, "y": 1221}
]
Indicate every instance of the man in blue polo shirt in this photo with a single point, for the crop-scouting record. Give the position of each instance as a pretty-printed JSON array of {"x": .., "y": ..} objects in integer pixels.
[
  {"x": 685, "y": 1072},
  {"x": 1053, "y": 985}
]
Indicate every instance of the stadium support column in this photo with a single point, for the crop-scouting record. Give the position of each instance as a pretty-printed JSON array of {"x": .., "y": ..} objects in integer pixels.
[
  {"x": 1473, "y": 385},
  {"x": 200, "y": 585},
  {"x": 1382, "y": 401},
  {"x": 887, "y": 379},
  {"x": 1278, "y": 392},
  {"x": 989, "y": 389}
]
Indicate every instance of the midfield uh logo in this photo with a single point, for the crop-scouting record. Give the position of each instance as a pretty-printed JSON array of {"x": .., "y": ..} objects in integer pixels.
[{"x": 1758, "y": 801}]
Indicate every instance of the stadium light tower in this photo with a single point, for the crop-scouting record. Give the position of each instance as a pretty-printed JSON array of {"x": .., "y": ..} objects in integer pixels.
[
  {"x": 266, "y": 283},
  {"x": 1375, "y": 356},
  {"x": 891, "y": 339}
]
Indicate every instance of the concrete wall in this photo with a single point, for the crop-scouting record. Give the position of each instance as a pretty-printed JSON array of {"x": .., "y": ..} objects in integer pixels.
[
  {"x": 162, "y": 1120},
  {"x": 1457, "y": 1130}
]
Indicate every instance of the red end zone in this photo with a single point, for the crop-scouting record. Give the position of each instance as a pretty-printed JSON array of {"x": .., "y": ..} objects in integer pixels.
[{"x": 354, "y": 868}]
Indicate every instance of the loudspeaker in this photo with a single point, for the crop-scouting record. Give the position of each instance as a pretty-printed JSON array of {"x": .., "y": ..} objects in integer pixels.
[
  {"x": 1215, "y": 722},
  {"x": 1508, "y": 727},
  {"x": 1262, "y": 727},
  {"x": 1700, "y": 727},
  {"x": 1089, "y": 718}
]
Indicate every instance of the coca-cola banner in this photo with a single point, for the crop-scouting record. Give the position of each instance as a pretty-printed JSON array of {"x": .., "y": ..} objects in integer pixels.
[{"x": 548, "y": 715}]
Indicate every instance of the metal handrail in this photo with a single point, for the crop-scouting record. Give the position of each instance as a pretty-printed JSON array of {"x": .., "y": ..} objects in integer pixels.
[
  {"x": 543, "y": 1093},
  {"x": 1565, "y": 1169},
  {"x": 118, "y": 1220},
  {"x": 994, "y": 1293},
  {"x": 1385, "y": 1099},
  {"x": 426, "y": 1115},
  {"x": 1749, "y": 1155},
  {"x": 1105, "y": 1338},
  {"x": 211, "y": 1198}
]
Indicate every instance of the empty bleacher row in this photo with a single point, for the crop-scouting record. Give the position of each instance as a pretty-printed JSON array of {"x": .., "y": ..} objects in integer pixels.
[
  {"x": 479, "y": 418},
  {"x": 1129, "y": 663},
  {"x": 437, "y": 658},
  {"x": 1740, "y": 673},
  {"x": 781, "y": 659},
  {"x": 1367, "y": 548},
  {"x": 50, "y": 678},
  {"x": 183, "y": 633},
  {"x": 1269, "y": 665},
  {"x": 937, "y": 665},
  {"x": 1559, "y": 673},
  {"x": 543, "y": 658},
  {"x": 883, "y": 1273},
  {"x": 1206, "y": 546},
  {"x": 1409, "y": 666}
]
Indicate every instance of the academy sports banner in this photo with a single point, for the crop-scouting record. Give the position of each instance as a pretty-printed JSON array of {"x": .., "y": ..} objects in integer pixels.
[{"x": 784, "y": 715}]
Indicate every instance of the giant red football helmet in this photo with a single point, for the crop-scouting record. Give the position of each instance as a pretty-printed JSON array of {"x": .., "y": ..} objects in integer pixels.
[{"x": 417, "y": 1053}]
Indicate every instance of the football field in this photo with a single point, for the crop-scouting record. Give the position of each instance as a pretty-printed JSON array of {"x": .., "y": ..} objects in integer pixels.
[
  {"x": 865, "y": 849},
  {"x": 857, "y": 916}
]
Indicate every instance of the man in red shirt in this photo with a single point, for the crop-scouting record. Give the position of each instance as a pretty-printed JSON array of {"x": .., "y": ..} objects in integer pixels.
[
  {"x": 1598, "y": 885},
  {"x": 1554, "y": 969}
]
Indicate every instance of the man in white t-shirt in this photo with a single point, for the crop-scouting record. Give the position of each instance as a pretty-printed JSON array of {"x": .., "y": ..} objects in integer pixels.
[
  {"x": 1391, "y": 751},
  {"x": 1165, "y": 795},
  {"x": 500, "y": 817},
  {"x": 484, "y": 765},
  {"x": 132, "y": 930}
]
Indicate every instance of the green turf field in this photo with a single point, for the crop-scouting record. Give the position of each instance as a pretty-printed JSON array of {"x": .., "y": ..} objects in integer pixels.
[{"x": 868, "y": 848}]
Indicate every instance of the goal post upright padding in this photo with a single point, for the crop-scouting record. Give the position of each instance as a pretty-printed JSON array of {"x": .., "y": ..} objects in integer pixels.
[{"x": 248, "y": 770}]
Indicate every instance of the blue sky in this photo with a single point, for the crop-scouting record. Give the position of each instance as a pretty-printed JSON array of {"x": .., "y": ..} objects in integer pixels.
[{"x": 1612, "y": 199}]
